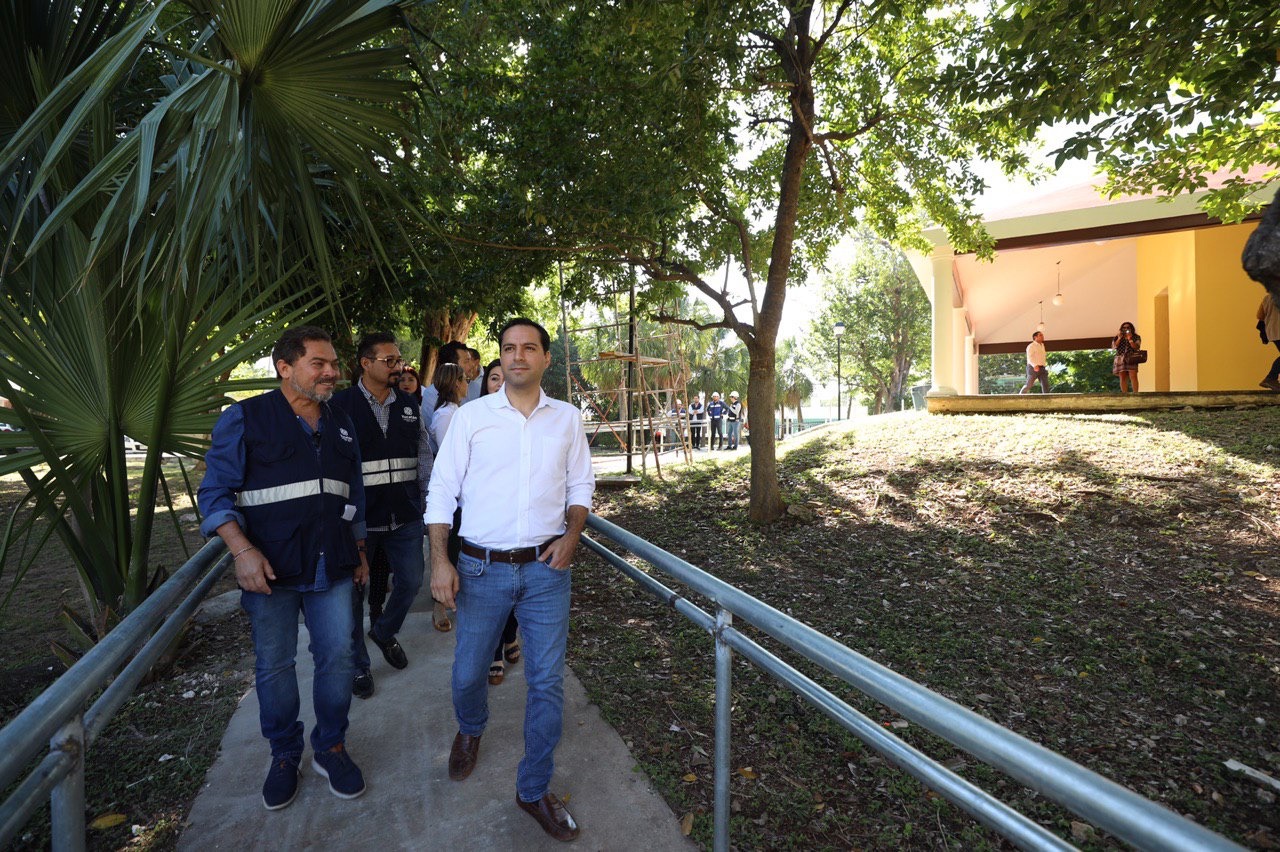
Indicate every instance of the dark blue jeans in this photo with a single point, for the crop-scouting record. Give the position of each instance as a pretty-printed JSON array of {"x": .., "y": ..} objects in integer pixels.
[
  {"x": 1274, "y": 373},
  {"x": 487, "y": 591},
  {"x": 403, "y": 547},
  {"x": 275, "y": 644}
]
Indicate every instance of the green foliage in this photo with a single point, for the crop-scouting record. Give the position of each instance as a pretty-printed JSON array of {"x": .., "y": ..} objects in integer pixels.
[
  {"x": 678, "y": 139},
  {"x": 155, "y": 232},
  {"x": 1162, "y": 94},
  {"x": 1003, "y": 373},
  {"x": 1078, "y": 371},
  {"x": 887, "y": 325},
  {"x": 794, "y": 387},
  {"x": 1083, "y": 371}
]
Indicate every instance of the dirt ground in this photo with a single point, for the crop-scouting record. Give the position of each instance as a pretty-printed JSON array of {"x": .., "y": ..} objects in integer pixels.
[{"x": 1107, "y": 586}]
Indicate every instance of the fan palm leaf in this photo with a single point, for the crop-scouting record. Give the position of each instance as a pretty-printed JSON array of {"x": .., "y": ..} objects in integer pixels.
[{"x": 144, "y": 259}]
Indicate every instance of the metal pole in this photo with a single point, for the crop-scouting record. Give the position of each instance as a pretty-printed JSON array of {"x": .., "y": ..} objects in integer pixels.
[
  {"x": 66, "y": 803},
  {"x": 724, "y": 716},
  {"x": 631, "y": 365},
  {"x": 838, "y": 376},
  {"x": 564, "y": 330}
]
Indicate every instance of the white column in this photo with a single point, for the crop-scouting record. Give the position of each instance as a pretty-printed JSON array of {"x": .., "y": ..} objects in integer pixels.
[
  {"x": 970, "y": 365},
  {"x": 948, "y": 359}
]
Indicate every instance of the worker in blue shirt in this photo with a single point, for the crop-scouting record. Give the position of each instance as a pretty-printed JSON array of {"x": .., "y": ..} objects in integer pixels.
[
  {"x": 283, "y": 488},
  {"x": 716, "y": 412}
]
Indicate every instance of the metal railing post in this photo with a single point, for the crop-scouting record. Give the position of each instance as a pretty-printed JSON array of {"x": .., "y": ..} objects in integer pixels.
[
  {"x": 66, "y": 802},
  {"x": 724, "y": 718}
]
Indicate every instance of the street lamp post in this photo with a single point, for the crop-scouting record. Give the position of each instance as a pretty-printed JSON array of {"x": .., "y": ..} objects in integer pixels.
[{"x": 839, "y": 330}]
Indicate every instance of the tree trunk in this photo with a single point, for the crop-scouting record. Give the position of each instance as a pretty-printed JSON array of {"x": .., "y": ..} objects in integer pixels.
[
  {"x": 440, "y": 326},
  {"x": 796, "y": 53},
  {"x": 766, "y": 494}
]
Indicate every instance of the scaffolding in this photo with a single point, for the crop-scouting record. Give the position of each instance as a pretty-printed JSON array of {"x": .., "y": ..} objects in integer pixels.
[{"x": 640, "y": 412}]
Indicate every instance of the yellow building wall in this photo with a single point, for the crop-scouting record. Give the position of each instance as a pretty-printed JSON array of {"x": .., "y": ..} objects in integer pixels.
[
  {"x": 1230, "y": 356},
  {"x": 1167, "y": 262}
]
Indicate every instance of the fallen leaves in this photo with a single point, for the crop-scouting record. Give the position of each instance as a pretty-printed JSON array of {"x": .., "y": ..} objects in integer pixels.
[
  {"x": 107, "y": 821},
  {"x": 1117, "y": 626}
]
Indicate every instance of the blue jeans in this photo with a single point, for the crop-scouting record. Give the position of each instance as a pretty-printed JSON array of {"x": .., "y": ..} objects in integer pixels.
[
  {"x": 275, "y": 643},
  {"x": 403, "y": 547},
  {"x": 733, "y": 426},
  {"x": 539, "y": 594}
]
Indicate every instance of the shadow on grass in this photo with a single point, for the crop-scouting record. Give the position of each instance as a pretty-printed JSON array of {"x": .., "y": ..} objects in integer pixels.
[{"x": 1104, "y": 610}]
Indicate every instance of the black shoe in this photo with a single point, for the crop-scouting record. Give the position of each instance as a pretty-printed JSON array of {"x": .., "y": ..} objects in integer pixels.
[
  {"x": 362, "y": 686},
  {"x": 391, "y": 650}
]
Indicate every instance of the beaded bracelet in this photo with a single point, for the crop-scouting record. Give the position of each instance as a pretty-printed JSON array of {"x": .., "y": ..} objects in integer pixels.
[{"x": 236, "y": 556}]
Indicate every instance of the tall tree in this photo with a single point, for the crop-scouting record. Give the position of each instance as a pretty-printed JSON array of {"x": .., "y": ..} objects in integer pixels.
[
  {"x": 794, "y": 385},
  {"x": 887, "y": 324},
  {"x": 681, "y": 139}
]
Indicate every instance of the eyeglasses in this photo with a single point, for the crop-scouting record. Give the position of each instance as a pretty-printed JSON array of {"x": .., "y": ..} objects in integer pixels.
[{"x": 392, "y": 360}]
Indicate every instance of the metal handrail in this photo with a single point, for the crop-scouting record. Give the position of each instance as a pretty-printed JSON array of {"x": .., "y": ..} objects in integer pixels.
[
  {"x": 1116, "y": 809},
  {"x": 58, "y": 715}
]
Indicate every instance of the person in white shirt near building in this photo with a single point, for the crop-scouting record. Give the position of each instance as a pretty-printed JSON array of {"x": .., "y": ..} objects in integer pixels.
[
  {"x": 1037, "y": 364},
  {"x": 522, "y": 457}
]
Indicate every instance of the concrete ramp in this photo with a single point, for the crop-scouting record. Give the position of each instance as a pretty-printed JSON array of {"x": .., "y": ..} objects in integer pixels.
[{"x": 400, "y": 738}]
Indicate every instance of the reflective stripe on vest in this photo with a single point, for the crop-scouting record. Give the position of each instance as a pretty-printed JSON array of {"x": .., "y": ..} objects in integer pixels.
[
  {"x": 292, "y": 491},
  {"x": 387, "y": 471}
]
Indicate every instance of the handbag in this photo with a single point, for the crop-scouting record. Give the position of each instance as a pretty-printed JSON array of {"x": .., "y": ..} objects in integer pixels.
[{"x": 1136, "y": 356}]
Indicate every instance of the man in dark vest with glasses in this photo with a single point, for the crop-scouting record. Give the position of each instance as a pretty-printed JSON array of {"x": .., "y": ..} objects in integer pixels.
[
  {"x": 396, "y": 460},
  {"x": 284, "y": 490}
]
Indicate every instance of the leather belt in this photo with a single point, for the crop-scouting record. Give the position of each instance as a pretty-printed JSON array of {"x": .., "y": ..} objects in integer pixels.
[{"x": 510, "y": 557}]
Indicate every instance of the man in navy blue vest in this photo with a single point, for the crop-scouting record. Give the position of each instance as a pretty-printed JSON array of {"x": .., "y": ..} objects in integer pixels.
[
  {"x": 284, "y": 491},
  {"x": 396, "y": 460}
]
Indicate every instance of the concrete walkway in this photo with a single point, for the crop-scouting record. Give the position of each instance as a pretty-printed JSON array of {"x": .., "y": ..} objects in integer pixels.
[{"x": 400, "y": 738}]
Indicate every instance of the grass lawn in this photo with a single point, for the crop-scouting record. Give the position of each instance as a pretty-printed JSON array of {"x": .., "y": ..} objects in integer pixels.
[{"x": 1104, "y": 585}]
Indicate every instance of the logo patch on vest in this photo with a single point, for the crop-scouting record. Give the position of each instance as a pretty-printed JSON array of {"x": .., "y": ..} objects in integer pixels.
[
  {"x": 408, "y": 414},
  {"x": 342, "y": 433}
]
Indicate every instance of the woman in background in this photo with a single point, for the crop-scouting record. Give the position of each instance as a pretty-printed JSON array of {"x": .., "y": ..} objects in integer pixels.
[
  {"x": 410, "y": 384},
  {"x": 508, "y": 649},
  {"x": 1269, "y": 325},
  {"x": 451, "y": 391},
  {"x": 1126, "y": 340},
  {"x": 450, "y": 384}
]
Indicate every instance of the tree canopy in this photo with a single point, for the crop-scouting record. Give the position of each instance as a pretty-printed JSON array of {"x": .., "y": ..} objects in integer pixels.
[
  {"x": 887, "y": 325},
  {"x": 1163, "y": 94},
  {"x": 679, "y": 139}
]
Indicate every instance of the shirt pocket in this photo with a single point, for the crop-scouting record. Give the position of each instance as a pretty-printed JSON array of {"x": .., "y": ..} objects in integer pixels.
[
  {"x": 268, "y": 453},
  {"x": 549, "y": 457}
]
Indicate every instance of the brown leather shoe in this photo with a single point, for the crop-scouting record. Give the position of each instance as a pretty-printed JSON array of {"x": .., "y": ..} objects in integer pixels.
[
  {"x": 552, "y": 815},
  {"x": 462, "y": 757}
]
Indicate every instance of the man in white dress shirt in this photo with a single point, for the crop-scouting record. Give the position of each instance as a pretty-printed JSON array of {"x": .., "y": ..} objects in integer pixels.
[
  {"x": 518, "y": 462},
  {"x": 1037, "y": 364}
]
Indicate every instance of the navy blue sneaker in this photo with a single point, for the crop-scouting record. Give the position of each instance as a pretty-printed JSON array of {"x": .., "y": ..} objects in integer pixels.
[
  {"x": 281, "y": 786},
  {"x": 345, "y": 778}
]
